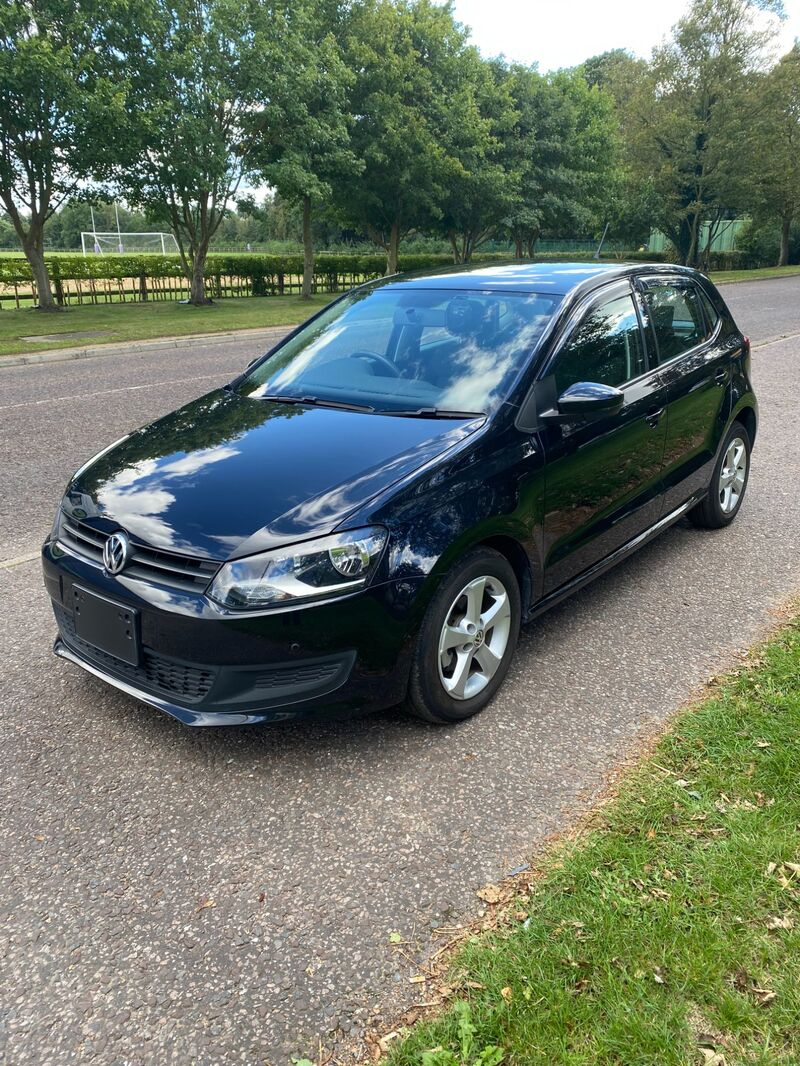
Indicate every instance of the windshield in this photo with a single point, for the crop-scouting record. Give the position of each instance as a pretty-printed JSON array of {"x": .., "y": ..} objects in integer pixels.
[{"x": 407, "y": 350}]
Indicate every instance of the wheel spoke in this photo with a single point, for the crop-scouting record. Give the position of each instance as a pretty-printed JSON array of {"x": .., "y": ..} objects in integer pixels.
[
  {"x": 456, "y": 685},
  {"x": 497, "y": 611},
  {"x": 475, "y": 591},
  {"x": 487, "y": 660},
  {"x": 452, "y": 637}
]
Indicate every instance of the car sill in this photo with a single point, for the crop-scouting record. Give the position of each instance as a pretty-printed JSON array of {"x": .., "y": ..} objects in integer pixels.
[{"x": 617, "y": 556}]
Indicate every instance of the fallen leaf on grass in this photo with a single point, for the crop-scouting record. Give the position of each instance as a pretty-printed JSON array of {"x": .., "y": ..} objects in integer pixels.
[
  {"x": 764, "y": 995},
  {"x": 506, "y": 993},
  {"x": 711, "y": 1057},
  {"x": 495, "y": 893},
  {"x": 786, "y": 922}
]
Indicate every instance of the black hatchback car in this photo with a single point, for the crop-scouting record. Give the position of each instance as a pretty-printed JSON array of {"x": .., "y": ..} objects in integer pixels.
[{"x": 368, "y": 514}]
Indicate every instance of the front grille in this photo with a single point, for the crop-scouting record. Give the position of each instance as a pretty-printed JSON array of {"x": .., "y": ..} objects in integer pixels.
[
  {"x": 154, "y": 565},
  {"x": 157, "y": 673}
]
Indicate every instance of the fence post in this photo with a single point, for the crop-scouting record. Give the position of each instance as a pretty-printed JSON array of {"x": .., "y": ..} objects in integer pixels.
[{"x": 143, "y": 287}]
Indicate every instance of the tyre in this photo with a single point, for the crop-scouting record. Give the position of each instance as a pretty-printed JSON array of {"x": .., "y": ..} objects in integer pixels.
[
  {"x": 467, "y": 639},
  {"x": 728, "y": 482}
]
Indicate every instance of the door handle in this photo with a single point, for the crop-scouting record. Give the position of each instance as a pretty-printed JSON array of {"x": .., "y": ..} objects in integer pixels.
[
  {"x": 721, "y": 376},
  {"x": 653, "y": 416}
]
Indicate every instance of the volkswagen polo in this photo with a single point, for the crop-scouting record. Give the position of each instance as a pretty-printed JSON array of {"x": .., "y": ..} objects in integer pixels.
[{"x": 367, "y": 515}]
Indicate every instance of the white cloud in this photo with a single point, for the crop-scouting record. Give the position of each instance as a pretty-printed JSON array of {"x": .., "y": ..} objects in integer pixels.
[{"x": 566, "y": 33}]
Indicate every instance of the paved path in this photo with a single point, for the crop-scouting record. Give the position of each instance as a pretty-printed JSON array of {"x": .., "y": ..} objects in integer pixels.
[{"x": 225, "y": 896}]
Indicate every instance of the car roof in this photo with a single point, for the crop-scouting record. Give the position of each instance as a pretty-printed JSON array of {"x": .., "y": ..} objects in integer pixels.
[{"x": 544, "y": 277}]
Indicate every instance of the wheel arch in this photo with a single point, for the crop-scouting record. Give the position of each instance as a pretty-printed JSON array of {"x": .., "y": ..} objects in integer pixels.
[
  {"x": 517, "y": 557},
  {"x": 747, "y": 416}
]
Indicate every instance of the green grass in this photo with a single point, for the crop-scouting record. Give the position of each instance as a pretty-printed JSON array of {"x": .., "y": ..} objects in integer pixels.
[
  {"x": 134, "y": 322},
  {"x": 670, "y": 924},
  {"x": 722, "y": 277}
]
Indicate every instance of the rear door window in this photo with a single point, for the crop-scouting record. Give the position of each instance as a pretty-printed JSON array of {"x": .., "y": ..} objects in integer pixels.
[{"x": 676, "y": 317}]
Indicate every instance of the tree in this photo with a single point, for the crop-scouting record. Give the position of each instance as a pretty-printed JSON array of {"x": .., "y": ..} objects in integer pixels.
[
  {"x": 687, "y": 120},
  {"x": 403, "y": 54},
  {"x": 61, "y": 100},
  {"x": 562, "y": 150},
  {"x": 211, "y": 77},
  {"x": 774, "y": 149},
  {"x": 308, "y": 151},
  {"x": 480, "y": 121}
]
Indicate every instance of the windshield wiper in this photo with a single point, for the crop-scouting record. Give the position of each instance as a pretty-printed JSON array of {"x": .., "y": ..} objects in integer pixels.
[
  {"x": 315, "y": 401},
  {"x": 435, "y": 412}
]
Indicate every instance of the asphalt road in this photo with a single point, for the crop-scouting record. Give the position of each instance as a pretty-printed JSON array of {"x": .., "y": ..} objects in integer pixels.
[{"x": 226, "y": 896}]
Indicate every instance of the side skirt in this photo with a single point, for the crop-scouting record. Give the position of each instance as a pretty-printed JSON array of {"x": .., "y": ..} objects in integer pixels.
[{"x": 615, "y": 557}]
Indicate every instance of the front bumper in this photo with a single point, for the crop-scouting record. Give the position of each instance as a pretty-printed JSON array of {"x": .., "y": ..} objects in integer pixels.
[{"x": 208, "y": 667}]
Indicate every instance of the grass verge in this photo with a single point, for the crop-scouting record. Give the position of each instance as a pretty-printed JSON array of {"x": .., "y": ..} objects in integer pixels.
[
  {"x": 722, "y": 277},
  {"x": 135, "y": 322},
  {"x": 669, "y": 932}
]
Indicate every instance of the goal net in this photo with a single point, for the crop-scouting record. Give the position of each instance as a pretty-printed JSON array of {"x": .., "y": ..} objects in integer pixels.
[{"x": 96, "y": 243}]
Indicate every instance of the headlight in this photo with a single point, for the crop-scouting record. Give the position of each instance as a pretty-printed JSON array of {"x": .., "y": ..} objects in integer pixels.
[{"x": 329, "y": 566}]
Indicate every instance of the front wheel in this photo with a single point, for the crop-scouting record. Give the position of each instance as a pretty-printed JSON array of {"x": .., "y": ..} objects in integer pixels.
[
  {"x": 467, "y": 639},
  {"x": 728, "y": 482}
]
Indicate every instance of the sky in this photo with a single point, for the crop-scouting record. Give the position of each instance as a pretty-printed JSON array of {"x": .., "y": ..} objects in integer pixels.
[{"x": 565, "y": 32}]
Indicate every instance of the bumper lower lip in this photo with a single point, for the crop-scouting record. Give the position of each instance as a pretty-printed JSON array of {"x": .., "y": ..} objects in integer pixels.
[{"x": 187, "y": 715}]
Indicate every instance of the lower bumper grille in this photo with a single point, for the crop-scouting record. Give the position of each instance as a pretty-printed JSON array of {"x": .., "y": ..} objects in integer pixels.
[{"x": 166, "y": 677}]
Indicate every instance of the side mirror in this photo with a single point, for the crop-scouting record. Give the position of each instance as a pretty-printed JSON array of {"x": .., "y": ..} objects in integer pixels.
[{"x": 589, "y": 399}]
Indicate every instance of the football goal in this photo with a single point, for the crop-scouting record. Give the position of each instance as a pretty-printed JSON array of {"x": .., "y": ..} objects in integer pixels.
[{"x": 93, "y": 242}]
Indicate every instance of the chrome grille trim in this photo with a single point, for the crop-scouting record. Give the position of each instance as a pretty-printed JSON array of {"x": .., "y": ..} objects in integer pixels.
[{"x": 156, "y": 565}]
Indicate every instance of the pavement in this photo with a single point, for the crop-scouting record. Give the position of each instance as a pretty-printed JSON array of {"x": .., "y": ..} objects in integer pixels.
[{"x": 226, "y": 896}]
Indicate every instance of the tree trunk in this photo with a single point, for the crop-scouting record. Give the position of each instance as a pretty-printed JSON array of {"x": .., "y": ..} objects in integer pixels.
[
  {"x": 197, "y": 289},
  {"x": 308, "y": 250},
  {"x": 783, "y": 255},
  {"x": 518, "y": 247},
  {"x": 454, "y": 246},
  {"x": 391, "y": 251},
  {"x": 33, "y": 246}
]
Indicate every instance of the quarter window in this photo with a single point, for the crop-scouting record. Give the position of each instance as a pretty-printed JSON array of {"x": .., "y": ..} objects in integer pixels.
[
  {"x": 677, "y": 319},
  {"x": 606, "y": 347},
  {"x": 712, "y": 315}
]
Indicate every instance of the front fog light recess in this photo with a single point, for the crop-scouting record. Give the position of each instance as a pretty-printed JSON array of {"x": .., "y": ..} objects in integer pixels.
[{"x": 328, "y": 566}]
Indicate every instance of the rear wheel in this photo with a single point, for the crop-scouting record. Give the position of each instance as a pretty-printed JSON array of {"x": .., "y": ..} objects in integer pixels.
[
  {"x": 467, "y": 639},
  {"x": 728, "y": 482}
]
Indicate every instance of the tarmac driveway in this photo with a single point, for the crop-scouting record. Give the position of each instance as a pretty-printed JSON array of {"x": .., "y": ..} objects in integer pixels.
[{"x": 226, "y": 896}]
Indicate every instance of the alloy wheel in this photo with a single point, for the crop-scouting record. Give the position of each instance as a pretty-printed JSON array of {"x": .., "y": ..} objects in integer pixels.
[
  {"x": 732, "y": 476},
  {"x": 474, "y": 637}
]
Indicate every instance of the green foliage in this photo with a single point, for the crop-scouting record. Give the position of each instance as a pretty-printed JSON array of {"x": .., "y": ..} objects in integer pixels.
[
  {"x": 687, "y": 115},
  {"x": 407, "y": 55},
  {"x": 61, "y": 98},
  {"x": 776, "y": 172},
  {"x": 209, "y": 79},
  {"x": 468, "y": 1054}
]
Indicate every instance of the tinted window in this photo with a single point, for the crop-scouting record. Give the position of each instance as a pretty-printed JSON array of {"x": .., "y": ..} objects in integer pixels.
[
  {"x": 404, "y": 348},
  {"x": 606, "y": 347},
  {"x": 677, "y": 319}
]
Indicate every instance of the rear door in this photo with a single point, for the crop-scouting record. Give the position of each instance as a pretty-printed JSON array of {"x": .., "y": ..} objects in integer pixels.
[
  {"x": 695, "y": 366},
  {"x": 603, "y": 477}
]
